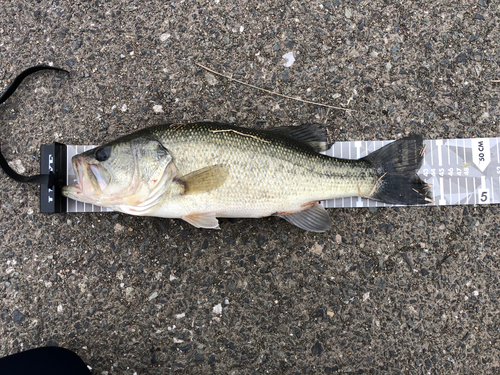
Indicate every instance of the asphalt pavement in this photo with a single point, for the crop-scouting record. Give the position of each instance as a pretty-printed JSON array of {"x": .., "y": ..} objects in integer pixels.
[{"x": 406, "y": 290}]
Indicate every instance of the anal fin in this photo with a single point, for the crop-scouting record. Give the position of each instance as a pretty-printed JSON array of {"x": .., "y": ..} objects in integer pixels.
[
  {"x": 314, "y": 218},
  {"x": 202, "y": 220}
]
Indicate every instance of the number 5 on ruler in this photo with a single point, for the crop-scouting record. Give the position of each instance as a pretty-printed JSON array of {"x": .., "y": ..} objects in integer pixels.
[{"x": 484, "y": 193}]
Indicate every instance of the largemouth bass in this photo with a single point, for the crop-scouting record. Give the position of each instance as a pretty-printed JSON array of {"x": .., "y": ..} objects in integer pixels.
[{"x": 200, "y": 171}]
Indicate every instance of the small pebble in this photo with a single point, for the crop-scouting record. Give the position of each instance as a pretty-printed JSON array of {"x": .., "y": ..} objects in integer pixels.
[
  {"x": 317, "y": 348},
  {"x": 18, "y": 316}
]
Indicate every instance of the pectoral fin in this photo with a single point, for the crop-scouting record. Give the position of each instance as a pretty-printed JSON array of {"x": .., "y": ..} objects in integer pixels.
[
  {"x": 314, "y": 218},
  {"x": 202, "y": 220},
  {"x": 204, "y": 180}
]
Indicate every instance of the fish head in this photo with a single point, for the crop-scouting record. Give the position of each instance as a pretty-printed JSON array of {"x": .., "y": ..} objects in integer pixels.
[{"x": 128, "y": 171}]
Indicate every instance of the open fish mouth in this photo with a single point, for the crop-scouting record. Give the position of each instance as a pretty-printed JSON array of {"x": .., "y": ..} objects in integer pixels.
[{"x": 89, "y": 179}]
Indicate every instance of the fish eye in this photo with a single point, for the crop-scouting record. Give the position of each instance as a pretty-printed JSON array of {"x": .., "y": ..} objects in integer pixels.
[{"x": 102, "y": 154}]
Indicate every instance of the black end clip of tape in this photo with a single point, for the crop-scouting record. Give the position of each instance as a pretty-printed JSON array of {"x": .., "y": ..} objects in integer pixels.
[
  {"x": 53, "y": 164},
  {"x": 52, "y": 175},
  {"x": 51, "y": 179}
]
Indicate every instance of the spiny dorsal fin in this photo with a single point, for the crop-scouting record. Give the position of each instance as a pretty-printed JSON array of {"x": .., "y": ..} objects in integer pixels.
[
  {"x": 314, "y": 218},
  {"x": 204, "y": 180},
  {"x": 314, "y": 135}
]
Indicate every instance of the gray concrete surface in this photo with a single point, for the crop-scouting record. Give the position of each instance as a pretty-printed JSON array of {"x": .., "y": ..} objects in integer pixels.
[{"x": 394, "y": 291}]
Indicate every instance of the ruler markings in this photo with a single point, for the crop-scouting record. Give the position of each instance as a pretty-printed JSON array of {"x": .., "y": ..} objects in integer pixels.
[
  {"x": 475, "y": 195},
  {"x": 492, "y": 190},
  {"x": 432, "y": 154},
  {"x": 439, "y": 144},
  {"x": 68, "y": 158},
  {"x": 466, "y": 191},
  {"x": 434, "y": 183},
  {"x": 448, "y": 148},
  {"x": 442, "y": 200},
  {"x": 451, "y": 192},
  {"x": 498, "y": 152},
  {"x": 342, "y": 156},
  {"x": 463, "y": 145},
  {"x": 350, "y": 157}
]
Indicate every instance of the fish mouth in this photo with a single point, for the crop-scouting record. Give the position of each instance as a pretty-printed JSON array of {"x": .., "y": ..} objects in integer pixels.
[{"x": 90, "y": 180}]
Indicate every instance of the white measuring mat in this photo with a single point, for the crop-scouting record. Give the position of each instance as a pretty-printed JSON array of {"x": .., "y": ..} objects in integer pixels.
[{"x": 460, "y": 172}]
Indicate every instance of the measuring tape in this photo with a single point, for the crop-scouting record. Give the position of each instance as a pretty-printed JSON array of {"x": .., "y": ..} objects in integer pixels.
[{"x": 459, "y": 171}]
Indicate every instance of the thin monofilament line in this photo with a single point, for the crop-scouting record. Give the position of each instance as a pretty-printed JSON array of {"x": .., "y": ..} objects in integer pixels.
[{"x": 271, "y": 92}]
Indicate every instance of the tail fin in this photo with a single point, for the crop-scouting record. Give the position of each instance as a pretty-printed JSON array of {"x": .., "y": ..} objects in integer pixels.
[{"x": 396, "y": 165}]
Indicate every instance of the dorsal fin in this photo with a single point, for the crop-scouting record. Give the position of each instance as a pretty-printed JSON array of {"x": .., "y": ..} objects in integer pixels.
[{"x": 313, "y": 135}]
